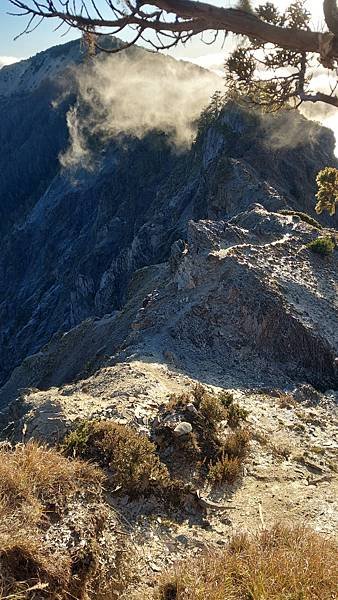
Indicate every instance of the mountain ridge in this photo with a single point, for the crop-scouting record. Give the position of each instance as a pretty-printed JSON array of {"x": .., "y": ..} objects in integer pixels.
[{"x": 83, "y": 237}]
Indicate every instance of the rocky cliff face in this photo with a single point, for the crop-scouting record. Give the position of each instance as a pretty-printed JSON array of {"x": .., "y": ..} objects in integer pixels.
[{"x": 74, "y": 240}]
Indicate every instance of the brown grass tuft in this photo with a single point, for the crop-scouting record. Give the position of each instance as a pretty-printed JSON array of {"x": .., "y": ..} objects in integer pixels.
[
  {"x": 225, "y": 470},
  {"x": 280, "y": 564},
  {"x": 36, "y": 485},
  {"x": 35, "y": 476},
  {"x": 28, "y": 568},
  {"x": 237, "y": 443}
]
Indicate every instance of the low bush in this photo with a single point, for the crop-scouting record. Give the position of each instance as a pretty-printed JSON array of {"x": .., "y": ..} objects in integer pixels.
[
  {"x": 303, "y": 216},
  {"x": 226, "y": 398},
  {"x": 209, "y": 405},
  {"x": 229, "y": 466},
  {"x": 280, "y": 564},
  {"x": 322, "y": 245},
  {"x": 130, "y": 457},
  {"x": 211, "y": 409},
  {"x": 206, "y": 451},
  {"x": 225, "y": 470},
  {"x": 235, "y": 415},
  {"x": 237, "y": 443}
]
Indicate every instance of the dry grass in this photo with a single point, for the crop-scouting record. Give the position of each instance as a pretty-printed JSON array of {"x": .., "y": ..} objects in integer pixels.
[
  {"x": 36, "y": 485},
  {"x": 36, "y": 477},
  {"x": 229, "y": 467},
  {"x": 280, "y": 564},
  {"x": 28, "y": 567}
]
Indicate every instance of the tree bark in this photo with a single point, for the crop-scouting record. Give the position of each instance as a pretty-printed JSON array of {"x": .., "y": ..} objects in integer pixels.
[
  {"x": 241, "y": 22},
  {"x": 331, "y": 15}
]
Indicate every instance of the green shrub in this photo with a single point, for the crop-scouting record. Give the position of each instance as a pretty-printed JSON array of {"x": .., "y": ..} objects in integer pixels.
[
  {"x": 322, "y": 245},
  {"x": 211, "y": 409},
  {"x": 327, "y": 195},
  {"x": 236, "y": 414},
  {"x": 226, "y": 398},
  {"x": 228, "y": 466},
  {"x": 303, "y": 216}
]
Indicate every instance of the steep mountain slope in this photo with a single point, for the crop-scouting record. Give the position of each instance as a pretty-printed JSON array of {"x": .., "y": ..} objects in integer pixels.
[
  {"x": 60, "y": 229},
  {"x": 74, "y": 238},
  {"x": 241, "y": 304}
]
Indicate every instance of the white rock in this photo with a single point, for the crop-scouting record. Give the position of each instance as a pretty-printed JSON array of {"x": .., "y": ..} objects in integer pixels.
[{"x": 182, "y": 429}]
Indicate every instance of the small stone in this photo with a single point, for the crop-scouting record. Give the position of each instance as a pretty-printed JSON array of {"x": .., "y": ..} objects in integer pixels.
[
  {"x": 182, "y": 539},
  {"x": 182, "y": 428},
  {"x": 192, "y": 408}
]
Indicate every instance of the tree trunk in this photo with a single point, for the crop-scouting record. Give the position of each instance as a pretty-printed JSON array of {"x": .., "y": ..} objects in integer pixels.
[{"x": 331, "y": 15}]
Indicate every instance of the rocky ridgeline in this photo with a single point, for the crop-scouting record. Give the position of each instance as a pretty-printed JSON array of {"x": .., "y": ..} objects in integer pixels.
[
  {"x": 72, "y": 242},
  {"x": 241, "y": 303}
]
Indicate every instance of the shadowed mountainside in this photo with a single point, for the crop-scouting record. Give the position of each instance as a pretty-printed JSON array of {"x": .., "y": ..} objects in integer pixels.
[{"x": 74, "y": 239}]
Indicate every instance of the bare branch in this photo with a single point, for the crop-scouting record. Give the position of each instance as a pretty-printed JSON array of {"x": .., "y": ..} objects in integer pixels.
[
  {"x": 319, "y": 97},
  {"x": 191, "y": 16}
]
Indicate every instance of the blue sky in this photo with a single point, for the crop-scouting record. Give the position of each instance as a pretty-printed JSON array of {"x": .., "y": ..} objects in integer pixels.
[{"x": 26, "y": 45}]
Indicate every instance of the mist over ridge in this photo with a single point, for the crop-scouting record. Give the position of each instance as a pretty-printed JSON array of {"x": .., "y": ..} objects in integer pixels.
[{"x": 75, "y": 232}]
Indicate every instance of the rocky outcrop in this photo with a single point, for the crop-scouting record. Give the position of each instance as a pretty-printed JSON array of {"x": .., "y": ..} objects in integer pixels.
[
  {"x": 76, "y": 250},
  {"x": 245, "y": 304}
]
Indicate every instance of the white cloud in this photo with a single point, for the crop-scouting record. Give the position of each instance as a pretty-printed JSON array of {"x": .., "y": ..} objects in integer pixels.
[
  {"x": 136, "y": 94},
  {"x": 7, "y": 60},
  {"x": 213, "y": 62}
]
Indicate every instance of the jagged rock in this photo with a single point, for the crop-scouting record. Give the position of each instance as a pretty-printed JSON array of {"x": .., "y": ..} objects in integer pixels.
[
  {"x": 177, "y": 251},
  {"x": 306, "y": 394},
  {"x": 261, "y": 313}
]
